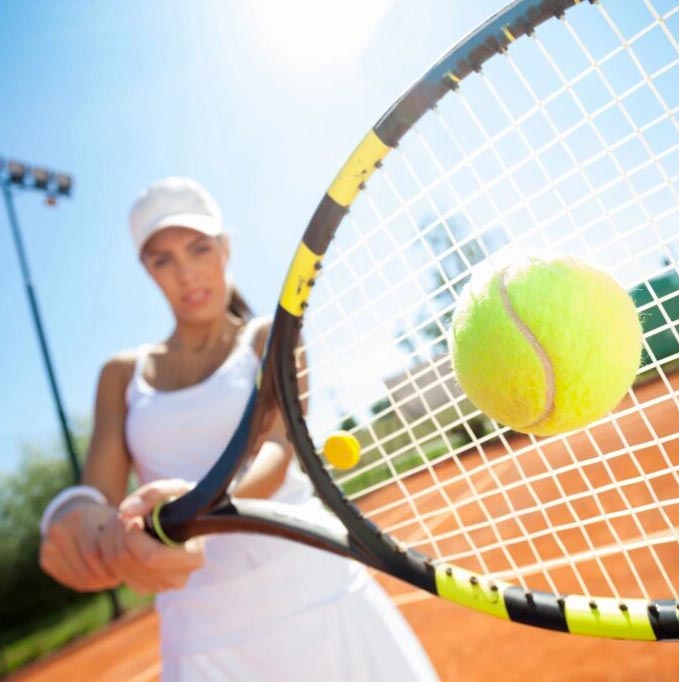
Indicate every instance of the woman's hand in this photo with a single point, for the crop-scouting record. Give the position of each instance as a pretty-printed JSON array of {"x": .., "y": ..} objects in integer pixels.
[
  {"x": 145, "y": 564},
  {"x": 70, "y": 550}
]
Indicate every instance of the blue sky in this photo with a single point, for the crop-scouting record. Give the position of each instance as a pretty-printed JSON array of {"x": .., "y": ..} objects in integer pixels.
[{"x": 259, "y": 100}]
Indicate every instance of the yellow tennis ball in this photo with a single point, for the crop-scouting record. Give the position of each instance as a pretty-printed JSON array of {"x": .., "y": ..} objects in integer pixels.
[
  {"x": 545, "y": 345},
  {"x": 342, "y": 450}
]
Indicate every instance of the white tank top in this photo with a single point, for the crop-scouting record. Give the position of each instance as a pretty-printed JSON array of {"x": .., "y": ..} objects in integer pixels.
[{"x": 179, "y": 434}]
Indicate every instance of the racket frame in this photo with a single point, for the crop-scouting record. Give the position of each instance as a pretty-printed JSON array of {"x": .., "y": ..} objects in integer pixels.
[{"x": 208, "y": 508}]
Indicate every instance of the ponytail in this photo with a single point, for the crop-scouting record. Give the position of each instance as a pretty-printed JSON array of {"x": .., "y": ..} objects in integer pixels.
[{"x": 238, "y": 306}]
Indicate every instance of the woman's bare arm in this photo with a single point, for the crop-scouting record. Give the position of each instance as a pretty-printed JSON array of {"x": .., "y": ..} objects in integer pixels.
[
  {"x": 269, "y": 466},
  {"x": 69, "y": 552},
  {"x": 107, "y": 467},
  {"x": 88, "y": 547}
]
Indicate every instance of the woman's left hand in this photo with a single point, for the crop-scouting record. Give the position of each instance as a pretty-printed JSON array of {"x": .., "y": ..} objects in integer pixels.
[{"x": 145, "y": 564}]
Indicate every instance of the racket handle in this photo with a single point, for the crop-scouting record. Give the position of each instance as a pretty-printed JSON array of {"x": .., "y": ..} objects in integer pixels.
[{"x": 153, "y": 525}]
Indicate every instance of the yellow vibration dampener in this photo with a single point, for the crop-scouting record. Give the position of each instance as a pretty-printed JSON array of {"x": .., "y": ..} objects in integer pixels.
[{"x": 342, "y": 450}]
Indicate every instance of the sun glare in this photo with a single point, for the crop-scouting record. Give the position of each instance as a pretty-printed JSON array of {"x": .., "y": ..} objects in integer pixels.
[{"x": 314, "y": 34}]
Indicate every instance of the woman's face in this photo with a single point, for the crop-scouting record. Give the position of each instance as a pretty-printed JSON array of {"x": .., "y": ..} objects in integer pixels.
[{"x": 188, "y": 266}]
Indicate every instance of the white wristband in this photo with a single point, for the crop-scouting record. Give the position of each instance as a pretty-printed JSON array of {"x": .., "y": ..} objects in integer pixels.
[{"x": 86, "y": 492}]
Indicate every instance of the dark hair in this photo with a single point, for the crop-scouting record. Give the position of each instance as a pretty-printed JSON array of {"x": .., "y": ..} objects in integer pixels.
[{"x": 238, "y": 305}]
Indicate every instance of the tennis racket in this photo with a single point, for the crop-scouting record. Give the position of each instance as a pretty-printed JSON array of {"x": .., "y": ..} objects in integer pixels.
[{"x": 554, "y": 125}]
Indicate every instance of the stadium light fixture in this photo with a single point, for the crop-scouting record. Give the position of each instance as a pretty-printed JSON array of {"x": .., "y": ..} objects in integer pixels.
[
  {"x": 16, "y": 174},
  {"x": 53, "y": 184}
]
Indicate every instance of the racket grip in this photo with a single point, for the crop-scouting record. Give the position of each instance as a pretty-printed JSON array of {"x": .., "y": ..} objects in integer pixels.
[{"x": 153, "y": 525}]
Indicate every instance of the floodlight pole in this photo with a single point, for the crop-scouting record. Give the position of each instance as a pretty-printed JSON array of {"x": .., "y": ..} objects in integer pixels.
[
  {"x": 35, "y": 312},
  {"x": 41, "y": 184}
]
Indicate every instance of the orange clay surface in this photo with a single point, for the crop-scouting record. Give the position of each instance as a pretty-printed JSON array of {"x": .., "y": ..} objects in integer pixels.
[{"x": 463, "y": 645}]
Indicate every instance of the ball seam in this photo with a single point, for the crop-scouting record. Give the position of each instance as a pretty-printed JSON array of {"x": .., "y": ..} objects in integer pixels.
[{"x": 539, "y": 351}]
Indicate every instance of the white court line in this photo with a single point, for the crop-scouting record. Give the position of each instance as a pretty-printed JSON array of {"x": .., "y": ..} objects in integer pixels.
[
  {"x": 411, "y": 597},
  {"x": 150, "y": 673}
]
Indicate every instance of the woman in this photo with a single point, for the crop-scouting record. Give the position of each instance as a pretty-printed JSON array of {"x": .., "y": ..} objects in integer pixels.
[{"x": 231, "y": 607}]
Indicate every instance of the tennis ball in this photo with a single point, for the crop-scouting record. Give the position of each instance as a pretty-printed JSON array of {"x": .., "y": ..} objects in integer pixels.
[
  {"x": 342, "y": 450},
  {"x": 545, "y": 345}
]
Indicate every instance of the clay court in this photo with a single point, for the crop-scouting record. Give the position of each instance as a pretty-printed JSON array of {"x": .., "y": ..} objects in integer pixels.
[{"x": 462, "y": 644}]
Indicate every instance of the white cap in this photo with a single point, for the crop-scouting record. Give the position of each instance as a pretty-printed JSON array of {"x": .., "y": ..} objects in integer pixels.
[{"x": 174, "y": 202}]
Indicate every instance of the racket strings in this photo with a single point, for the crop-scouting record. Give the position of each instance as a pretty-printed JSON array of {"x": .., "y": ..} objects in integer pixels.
[
  {"x": 439, "y": 273},
  {"x": 575, "y": 523},
  {"x": 541, "y": 478},
  {"x": 569, "y": 144},
  {"x": 667, "y": 114}
]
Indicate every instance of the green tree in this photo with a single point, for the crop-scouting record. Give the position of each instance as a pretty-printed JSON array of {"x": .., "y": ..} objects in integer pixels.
[
  {"x": 452, "y": 250},
  {"x": 348, "y": 423},
  {"x": 26, "y": 593}
]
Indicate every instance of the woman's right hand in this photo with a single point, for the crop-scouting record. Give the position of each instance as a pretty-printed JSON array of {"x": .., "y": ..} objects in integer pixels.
[
  {"x": 70, "y": 550},
  {"x": 145, "y": 564}
]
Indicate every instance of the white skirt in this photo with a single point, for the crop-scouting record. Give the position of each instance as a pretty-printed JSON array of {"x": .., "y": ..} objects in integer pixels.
[
  {"x": 359, "y": 637},
  {"x": 266, "y": 609}
]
